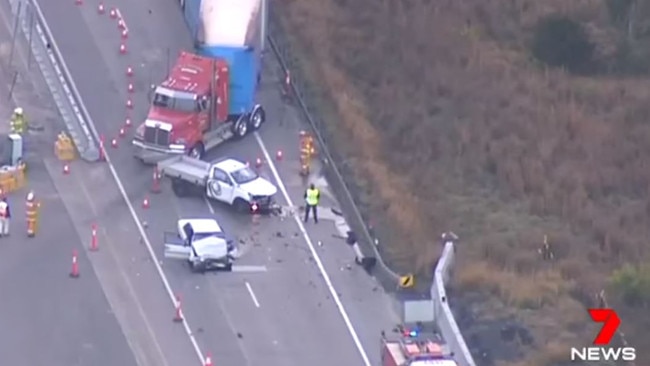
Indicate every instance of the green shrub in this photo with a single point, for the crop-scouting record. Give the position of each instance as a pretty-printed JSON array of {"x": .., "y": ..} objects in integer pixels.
[
  {"x": 562, "y": 42},
  {"x": 632, "y": 283}
]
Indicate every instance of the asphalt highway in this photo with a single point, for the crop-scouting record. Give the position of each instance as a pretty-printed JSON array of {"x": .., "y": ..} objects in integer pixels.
[
  {"x": 47, "y": 318},
  {"x": 282, "y": 314}
]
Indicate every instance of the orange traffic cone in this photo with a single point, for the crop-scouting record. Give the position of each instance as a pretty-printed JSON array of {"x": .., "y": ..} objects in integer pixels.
[
  {"x": 208, "y": 360},
  {"x": 145, "y": 202},
  {"x": 74, "y": 273},
  {"x": 66, "y": 169},
  {"x": 100, "y": 8},
  {"x": 122, "y": 48},
  {"x": 129, "y": 71},
  {"x": 279, "y": 155},
  {"x": 178, "y": 313}
]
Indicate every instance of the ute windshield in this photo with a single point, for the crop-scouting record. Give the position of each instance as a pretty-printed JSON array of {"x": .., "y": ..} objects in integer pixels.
[
  {"x": 244, "y": 175},
  {"x": 175, "y": 100}
]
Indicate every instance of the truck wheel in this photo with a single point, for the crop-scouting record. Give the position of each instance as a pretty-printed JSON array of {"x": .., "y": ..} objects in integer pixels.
[
  {"x": 197, "y": 151},
  {"x": 240, "y": 128},
  {"x": 257, "y": 118},
  {"x": 241, "y": 206}
]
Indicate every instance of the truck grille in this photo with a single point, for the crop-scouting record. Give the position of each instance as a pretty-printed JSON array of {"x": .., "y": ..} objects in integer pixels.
[{"x": 156, "y": 136}]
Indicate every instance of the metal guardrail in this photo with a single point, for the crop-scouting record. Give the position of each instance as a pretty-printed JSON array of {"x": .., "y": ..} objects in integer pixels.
[
  {"x": 443, "y": 316},
  {"x": 45, "y": 51}
]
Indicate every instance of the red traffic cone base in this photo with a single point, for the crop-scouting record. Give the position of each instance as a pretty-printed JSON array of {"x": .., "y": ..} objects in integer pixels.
[{"x": 208, "y": 360}]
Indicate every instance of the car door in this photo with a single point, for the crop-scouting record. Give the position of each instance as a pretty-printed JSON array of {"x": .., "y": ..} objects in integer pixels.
[
  {"x": 220, "y": 186},
  {"x": 176, "y": 247}
]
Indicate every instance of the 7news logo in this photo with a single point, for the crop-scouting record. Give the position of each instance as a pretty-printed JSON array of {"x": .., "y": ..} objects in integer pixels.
[{"x": 601, "y": 352}]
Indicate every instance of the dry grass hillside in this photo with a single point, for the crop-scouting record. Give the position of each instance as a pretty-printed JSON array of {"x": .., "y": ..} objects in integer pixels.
[{"x": 450, "y": 124}]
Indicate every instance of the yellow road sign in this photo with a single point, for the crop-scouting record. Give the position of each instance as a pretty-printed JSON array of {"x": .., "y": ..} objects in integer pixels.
[{"x": 407, "y": 281}]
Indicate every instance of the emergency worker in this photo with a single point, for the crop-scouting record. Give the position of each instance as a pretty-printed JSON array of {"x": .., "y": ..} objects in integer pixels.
[
  {"x": 5, "y": 216},
  {"x": 31, "y": 211},
  {"x": 312, "y": 196},
  {"x": 18, "y": 121}
]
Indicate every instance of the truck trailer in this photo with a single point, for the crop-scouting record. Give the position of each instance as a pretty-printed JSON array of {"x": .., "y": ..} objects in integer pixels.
[{"x": 209, "y": 95}]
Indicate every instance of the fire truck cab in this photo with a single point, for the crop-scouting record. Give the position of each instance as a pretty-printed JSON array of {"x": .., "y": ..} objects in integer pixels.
[{"x": 415, "y": 349}]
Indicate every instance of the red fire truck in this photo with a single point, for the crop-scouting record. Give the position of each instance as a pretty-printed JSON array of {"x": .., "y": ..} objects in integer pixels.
[
  {"x": 412, "y": 348},
  {"x": 190, "y": 111}
]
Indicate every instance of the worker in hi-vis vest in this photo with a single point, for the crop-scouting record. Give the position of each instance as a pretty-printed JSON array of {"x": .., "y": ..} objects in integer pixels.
[
  {"x": 312, "y": 196},
  {"x": 18, "y": 123}
]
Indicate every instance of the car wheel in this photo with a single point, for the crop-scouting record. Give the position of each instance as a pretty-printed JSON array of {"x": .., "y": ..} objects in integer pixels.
[
  {"x": 241, "y": 128},
  {"x": 257, "y": 118},
  {"x": 197, "y": 151},
  {"x": 241, "y": 206}
]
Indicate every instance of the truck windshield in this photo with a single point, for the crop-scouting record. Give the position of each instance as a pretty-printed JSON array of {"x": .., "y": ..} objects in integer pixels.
[
  {"x": 178, "y": 101},
  {"x": 244, "y": 175}
]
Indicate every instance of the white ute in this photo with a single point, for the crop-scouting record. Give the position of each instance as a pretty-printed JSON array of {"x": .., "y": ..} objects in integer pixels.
[
  {"x": 228, "y": 180},
  {"x": 202, "y": 243}
]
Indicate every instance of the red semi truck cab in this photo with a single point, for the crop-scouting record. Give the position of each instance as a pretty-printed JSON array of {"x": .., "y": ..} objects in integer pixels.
[
  {"x": 411, "y": 348},
  {"x": 189, "y": 111}
]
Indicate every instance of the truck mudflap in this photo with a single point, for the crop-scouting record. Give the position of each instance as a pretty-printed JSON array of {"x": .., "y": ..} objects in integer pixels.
[{"x": 175, "y": 247}]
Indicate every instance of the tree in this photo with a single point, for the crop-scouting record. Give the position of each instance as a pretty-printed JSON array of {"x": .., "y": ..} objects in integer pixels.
[{"x": 562, "y": 42}]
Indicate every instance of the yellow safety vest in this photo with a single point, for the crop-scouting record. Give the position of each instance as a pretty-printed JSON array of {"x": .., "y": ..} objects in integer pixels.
[{"x": 312, "y": 197}]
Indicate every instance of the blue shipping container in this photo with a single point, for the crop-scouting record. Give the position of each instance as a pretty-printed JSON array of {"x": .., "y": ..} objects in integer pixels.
[{"x": 241, "y": 50}]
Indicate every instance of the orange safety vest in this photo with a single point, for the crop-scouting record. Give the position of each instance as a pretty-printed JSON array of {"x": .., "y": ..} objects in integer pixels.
[{"x": 32, "y": 210}]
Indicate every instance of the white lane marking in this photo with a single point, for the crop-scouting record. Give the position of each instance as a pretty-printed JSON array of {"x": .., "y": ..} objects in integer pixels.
[
  {"x": 207, "y": 202},
  {"x": 120, "y": 18},
  {"x": 248, "y": 269},
  {"x": 250, "y": 291},
  {"x": 314, "y": 253},
  {"x": 136, "y": 219},
  {"x": 152, "y": 254}
]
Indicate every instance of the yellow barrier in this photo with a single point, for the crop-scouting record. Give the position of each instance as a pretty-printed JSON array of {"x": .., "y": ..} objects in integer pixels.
[
  {"x": 12, "y": 178},
  {"x": 64, "y": 148}
]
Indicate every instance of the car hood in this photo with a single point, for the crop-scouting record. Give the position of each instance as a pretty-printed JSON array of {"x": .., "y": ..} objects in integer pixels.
[
  {"x": 259, "y": 187},
  {"x": 211, "y": 247},
  {"x": 168, "y": 115}
]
